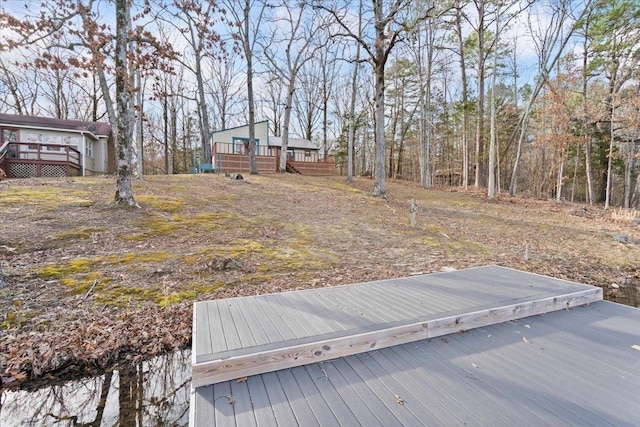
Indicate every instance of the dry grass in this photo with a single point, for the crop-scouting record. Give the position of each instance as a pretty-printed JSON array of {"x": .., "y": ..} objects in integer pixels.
[{"x": 68, "y": 254}]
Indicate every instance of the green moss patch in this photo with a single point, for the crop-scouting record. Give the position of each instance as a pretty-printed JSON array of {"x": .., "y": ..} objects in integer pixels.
[
  {"x": 75, "y": 234},
  {"x": 163, "y": 204},
  {"x": 58, "y": 271},
  {"x": 45, "y": 197}
]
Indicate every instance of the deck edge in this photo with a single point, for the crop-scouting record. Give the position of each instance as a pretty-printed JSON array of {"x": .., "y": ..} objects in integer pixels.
[{"x": 224, "y": 369}]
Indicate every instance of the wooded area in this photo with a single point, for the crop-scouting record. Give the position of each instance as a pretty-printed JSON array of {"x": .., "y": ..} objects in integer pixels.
[{"x": 530, "y": 97}]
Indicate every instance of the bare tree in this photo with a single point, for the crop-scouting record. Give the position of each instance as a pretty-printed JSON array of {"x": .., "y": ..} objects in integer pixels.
[
  {"x": 391, "y": 21},
  {"x": 352, "y": 106},
  {"x": 246, "y": 19},
  {"x": 292, "y": 32},
  {"x": 550, "y": 42},
  {"x": 195, "y": 21},
  {"x": 224, "y": 88}
]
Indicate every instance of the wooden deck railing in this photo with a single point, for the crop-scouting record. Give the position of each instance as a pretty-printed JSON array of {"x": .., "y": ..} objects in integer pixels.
[
  {"x": 228, "y": 148},
  {"x": 25, "y": 159},
  {"x": 3, "y": 151}
]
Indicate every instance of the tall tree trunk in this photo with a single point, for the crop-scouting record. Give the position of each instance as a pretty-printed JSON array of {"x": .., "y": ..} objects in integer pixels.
[
  {"x": 607, "y": 198},
  {"x": 379, "y": 187},
  {"x": 174, "y": 136},
  {"x": 253, "y": 164},
  {"x": 628, "y": 166},
  {"x": 585, "y": 121},
  {"x": 465, "y": 102},
  {"x": 139, "y": 123},
  {"x": 124, "y": 134},
  {"x": 352, "y": 104},
  {"x": 165, "y": 120},
  {"x": 204, "y": 116},
  {"x": 285, "y": 124},
  {"x": 635, "y": 200},
  {"x": 493, "y": 131},
  {"x": 479, "y": 162},
  {"x": 560, "y": 180}
]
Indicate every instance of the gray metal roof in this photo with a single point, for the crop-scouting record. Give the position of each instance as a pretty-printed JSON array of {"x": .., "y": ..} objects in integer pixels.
[
  {"x": 94, "y": 128},
  {"x": 571, "y": 367},
  {"x": 300, "y": 143}
]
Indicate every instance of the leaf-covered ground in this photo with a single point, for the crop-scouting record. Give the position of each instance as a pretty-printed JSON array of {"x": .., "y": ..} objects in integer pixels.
[{"x": 90, "y": 285}]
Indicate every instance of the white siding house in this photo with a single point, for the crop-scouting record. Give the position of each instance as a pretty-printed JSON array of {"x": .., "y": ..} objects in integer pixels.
[{"x": 40, "y": 146}]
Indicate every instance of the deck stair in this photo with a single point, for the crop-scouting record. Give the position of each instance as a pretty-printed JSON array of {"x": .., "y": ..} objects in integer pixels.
[{"x": 291, "y": 168}]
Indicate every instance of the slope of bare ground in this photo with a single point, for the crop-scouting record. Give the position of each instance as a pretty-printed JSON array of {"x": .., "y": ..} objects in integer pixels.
[{"x": 90, "y": 284}]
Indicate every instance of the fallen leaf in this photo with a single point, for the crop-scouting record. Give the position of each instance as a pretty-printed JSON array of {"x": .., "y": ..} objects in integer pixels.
[
  {"x": 525, "y": 340},
  {"x": 527, "y": 326},
  {"x": 636, "y": 347},
  {"x": 231, "y": 400},
  {"x": 242, "y": 380},
  {"x": 474, "y": 365},
  {"x": 399, "y": 400}
]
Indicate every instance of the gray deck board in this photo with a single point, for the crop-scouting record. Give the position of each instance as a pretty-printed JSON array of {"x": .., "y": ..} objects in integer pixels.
[
  {"x": 381, "y": 391},
  {"x": 281, "y": 408},
  {"x": 244, "y": 329},
  {"x": 298, "y": 402},
  {"x": 202, "y": 410},
  {"x": 255, "y": 325},
  {"x": 578, "y": 368},
  {"x": 242, "y": 406},
  {"x": 351, "y": 316},
  {"x": 292, "y": 323},
  {"x": 233, "y": 335},
  {"x": 224, "y": 405},
  {"x": 335, "y": 388},
  {"x": 262, "y": 321},
  {"x": 299, "y": 315},
  {"x": 218, "y": 340},
  {"x": 319, "y": 309},
  {"x": 352, "y": 387},
  {"x": 279, "y": 319},
  {"x": 203, "y": 336},
  {"x": 261, "y": 404},
  {"x": 339, "y": 408}
]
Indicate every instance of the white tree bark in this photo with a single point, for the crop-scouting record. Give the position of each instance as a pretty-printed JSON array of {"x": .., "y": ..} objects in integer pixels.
[{"x": 124, "y": 131}]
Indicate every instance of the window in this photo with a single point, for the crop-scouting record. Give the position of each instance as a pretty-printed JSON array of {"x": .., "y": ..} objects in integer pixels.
[
  {"x": 241, "y": 145},
  {"x": 307, "y": 153},
  {"x": 33, "y": 147},
  {"x": 88, "y": 150},
  {"x": 9, "y": 135},
  {"x": 34, "y": 138},
  {"x": 53, "y": 148}
]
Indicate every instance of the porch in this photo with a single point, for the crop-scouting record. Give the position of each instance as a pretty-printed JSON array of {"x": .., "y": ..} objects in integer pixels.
[
  {"x": 234, "y": 158},
  {"x": 28, "y": 160}
]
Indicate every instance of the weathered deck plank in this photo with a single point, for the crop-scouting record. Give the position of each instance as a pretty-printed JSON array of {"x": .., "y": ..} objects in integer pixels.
[
  {"x": 314, "y": 325},
  {"x": 565, "y": 368}
]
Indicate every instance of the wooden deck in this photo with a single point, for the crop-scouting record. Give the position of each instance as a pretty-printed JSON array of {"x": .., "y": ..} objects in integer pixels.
[
  {"x": 241, "y": 337},
  {"x": 577, "y": 367}
]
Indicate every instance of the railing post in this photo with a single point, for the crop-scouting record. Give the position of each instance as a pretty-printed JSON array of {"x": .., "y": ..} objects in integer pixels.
[{"x": 38, "y": 160}]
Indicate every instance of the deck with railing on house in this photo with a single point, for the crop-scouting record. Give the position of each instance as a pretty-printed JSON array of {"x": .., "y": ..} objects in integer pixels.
[
  {"x": 27, "y": 159},
  {"x": 233, "y": 158}
]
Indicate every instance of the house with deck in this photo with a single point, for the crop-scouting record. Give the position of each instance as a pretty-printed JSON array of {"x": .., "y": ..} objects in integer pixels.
[
  {"x": 230, "y": 148},
  {"x": 33, "y": 146}
]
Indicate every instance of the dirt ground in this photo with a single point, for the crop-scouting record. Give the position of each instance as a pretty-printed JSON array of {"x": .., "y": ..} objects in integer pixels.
[{"x": 90, "y": 285}]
